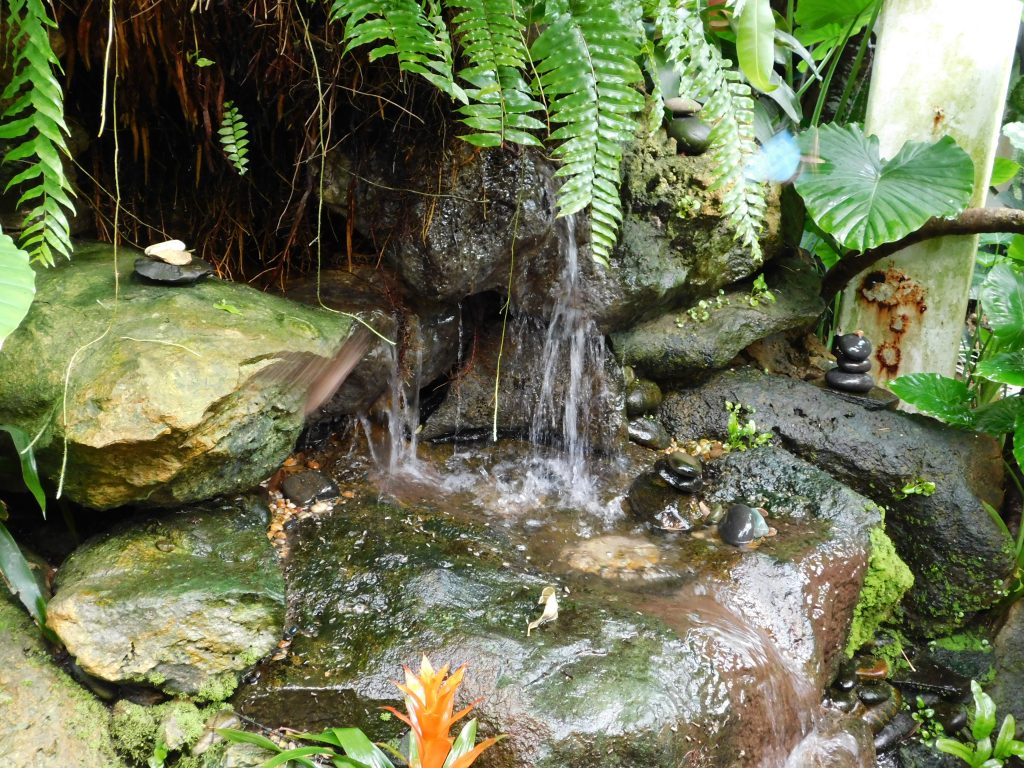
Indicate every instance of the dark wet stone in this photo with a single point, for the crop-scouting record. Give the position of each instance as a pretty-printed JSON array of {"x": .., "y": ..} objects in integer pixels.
[
  {"x": 683, "y": 484},
  {"x": 846, "y": 678},
  {"x": 874, "y": 694},
  {"x": 854, "y": 366},
  {"x": 172, "y": 274},
  {"x": 1007, "y": 688},
  {"x": 872, "y": 669},
  {"x": 849, "y": 382},
  {"x": 306, "y": 487},
  {"x": 852, "y": 346},
  {"x": 740, "y": 524},
  {"x": 843, "y": 700},
  {"x": 882, "y": 713},
  {"x": 930, "y": 677},
  {"x": 642, "y": 397},
  {"x": 896, "y": 730},
  {"x": 653, "y": 500},
  {"x": 649, "y": 433},
  {"x": 684, "y": 465},
  {"x": 692, "y": 134},
  {"x": 953, "y": 716},
  {"x": 842, "y": 435}
]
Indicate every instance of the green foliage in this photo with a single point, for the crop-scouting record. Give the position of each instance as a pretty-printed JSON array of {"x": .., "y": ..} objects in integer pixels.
[
  {"x": 17, "y": 286},
  {"x": 414, "y": 33},
  {"x": 743, "y": 435},
  {"x": 760, "y": 293},
  {"x": 491, "y": 34},
  {"x": 586, "y": 67},
  {"x": 232, "y": 134},
  {"x": 707, "y": 77},
  {"x": 916, "y": 487},
  {"x": 755, "y": 43},
  {"x": 929, "y": 728},
  {"x": 33, "y": 120},
  {"x": 864, "y": 201},
  {"x": 983, "y": 753}
]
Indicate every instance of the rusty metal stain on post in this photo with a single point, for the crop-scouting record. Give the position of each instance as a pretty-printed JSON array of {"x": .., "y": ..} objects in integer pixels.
[{"x": 898, "y": 301}]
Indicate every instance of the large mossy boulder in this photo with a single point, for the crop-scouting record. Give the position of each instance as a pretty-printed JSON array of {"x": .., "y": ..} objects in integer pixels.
[
  {"x": 463, "y": 221},
  {"x": 170, "y": 393},
  {"x": 686, "y": 341},
  {"x": 46, "y": 719},
  {"x": 667, "y": 650},
  {"x": 960, "y": 557},
  {"x": 183, "y": 602}
]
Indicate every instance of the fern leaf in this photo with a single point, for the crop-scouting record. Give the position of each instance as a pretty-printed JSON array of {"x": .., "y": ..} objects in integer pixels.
[
  {"x": 33, "y": 121},
  {"x": 586, "y": 66},
  {"x": 415, "y": 33},
  {"x": 232, "y": 134},
  {"x": 728, "y": 106},
  {"x": 491, "y": 35}
]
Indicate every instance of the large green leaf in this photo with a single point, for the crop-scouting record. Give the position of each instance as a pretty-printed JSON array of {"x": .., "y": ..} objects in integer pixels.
[
  {"x": 1000, "y": 417},
  {"x": 17, "y": 286},
  {"x": 863, "y": 201},
  {"x": 939, "y": 396},
  {"x": 29, "y": 473},
  {"x": 20, "y": 580},
  {"x": 1002, "y": 299},
  {"x": 1005, "y": 368},
  {"x": 755, "y": 43}
]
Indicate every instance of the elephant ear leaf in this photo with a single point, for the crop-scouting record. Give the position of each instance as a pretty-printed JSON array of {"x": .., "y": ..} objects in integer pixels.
[
  {"x": 864, "y": 201},
  {"x": 17, "y": 286}
]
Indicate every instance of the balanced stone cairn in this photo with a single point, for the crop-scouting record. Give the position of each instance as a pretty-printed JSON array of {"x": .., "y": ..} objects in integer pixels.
[{"x": 852, "y": 351}]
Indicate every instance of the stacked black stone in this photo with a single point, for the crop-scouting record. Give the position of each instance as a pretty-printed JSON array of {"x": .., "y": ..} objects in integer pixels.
[{"x": 852, "y": 351}]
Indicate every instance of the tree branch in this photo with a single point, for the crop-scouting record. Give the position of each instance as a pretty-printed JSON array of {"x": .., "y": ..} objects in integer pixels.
[{"x": 973, "y": 221}]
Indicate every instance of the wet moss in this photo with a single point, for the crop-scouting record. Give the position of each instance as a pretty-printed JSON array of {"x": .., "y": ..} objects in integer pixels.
[
  {"x": 137, "y": 729},
  {"x": 887, "y": 580}
]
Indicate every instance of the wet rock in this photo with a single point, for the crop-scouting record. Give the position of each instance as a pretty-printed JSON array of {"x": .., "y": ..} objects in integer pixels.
[
  {"x": 179, "y": 401},
  {"x": 901, "y": 727},
  {"x": 616, "y": 557},
  {"x": 676, "y": 344},
  {"x": 137, "y": 729},
  {"x": 642, "y": 397},
  {"x": 741, "y": 525},
  {"x": 187, "y": 621},
  {"x": 626, "y": 675},
  {"x": 851, "y": 366},
  {"x": 467, "y": 412},
  {"x": 692, "y": 134},
  {"x": 852, "y": 346},
  {"x": 849, "y": 382},
  {"x": 46, "y": 719},
  {"x": 682, "y": 471},
  {"x": 649, "y": 433},
  {"x": 653, "y": 500},
  {"x": 1007, "y": 687},
  {"x": 877, "y": 452},
  {"x": 173, "y": 274},
  {"x": 875, "y": 694},
  {"x": 916, "y": 754},
  {"x": 309, "y": 486},
  {"x": 929, "y": 677}
]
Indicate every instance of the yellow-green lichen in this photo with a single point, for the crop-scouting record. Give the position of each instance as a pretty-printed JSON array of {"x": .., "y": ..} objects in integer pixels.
[{"x": 887, "y": 579}]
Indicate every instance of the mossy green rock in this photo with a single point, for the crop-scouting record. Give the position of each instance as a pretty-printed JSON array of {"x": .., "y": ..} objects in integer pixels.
[
  {"x": 676, "y": 344},
  {"x": 183, "y": 602},
  {"x": 961, "y": 559},
  {"x": 654, "y": 667},
  {"x": 46, "y": 719},
  {"x": 164, "y": 405}
]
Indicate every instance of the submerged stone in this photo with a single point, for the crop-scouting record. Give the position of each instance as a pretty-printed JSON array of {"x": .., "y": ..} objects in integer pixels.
[
  {"x": 741, "y": 525},
  {"x": 655, "y": 500},
  {"x": 649, "y": 433},
  {"x": 187, "y": 620},
  {"x": 309, "y": 486}
]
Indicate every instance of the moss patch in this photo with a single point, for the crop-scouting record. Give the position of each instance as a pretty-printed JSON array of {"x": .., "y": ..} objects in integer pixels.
[
  {"x": 137, "y": 729},
  {"x": 887, "y": 579}
]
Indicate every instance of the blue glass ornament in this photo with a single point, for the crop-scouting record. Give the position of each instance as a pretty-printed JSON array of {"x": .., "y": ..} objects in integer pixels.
[{"x": 778, "y": 160}]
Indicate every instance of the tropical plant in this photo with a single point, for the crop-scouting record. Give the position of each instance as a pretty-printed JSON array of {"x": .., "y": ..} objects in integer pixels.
[
  {"x": 741, "y": 430},
  {"x": 14, "y": 568},
  {"x": 580, "y": 76},
  {"x": 983, "y": 753},
  {"x": 232, "y": 134},
  {"x": 430, "y": 715}
]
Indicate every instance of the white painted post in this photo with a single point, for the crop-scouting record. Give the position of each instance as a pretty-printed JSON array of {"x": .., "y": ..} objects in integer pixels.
[{"x": 940, "y": 67}]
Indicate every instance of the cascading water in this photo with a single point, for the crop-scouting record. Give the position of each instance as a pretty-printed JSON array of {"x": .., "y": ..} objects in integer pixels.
[{"x": 573, "y": 383}]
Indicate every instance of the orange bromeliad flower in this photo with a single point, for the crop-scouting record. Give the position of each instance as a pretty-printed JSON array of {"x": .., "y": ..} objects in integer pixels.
[{"x": 430, "y": 703}]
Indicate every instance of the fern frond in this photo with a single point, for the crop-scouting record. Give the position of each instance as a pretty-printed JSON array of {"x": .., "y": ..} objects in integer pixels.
[
  {"x": 728, "y": 106},
  {"x": 491, "y": 35},
  {"x": 415, "y": 33},
  {"x": 232, "y": 134},
  {"x": 34, "y": 122},
  {"x": 586, "y": 66}
]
